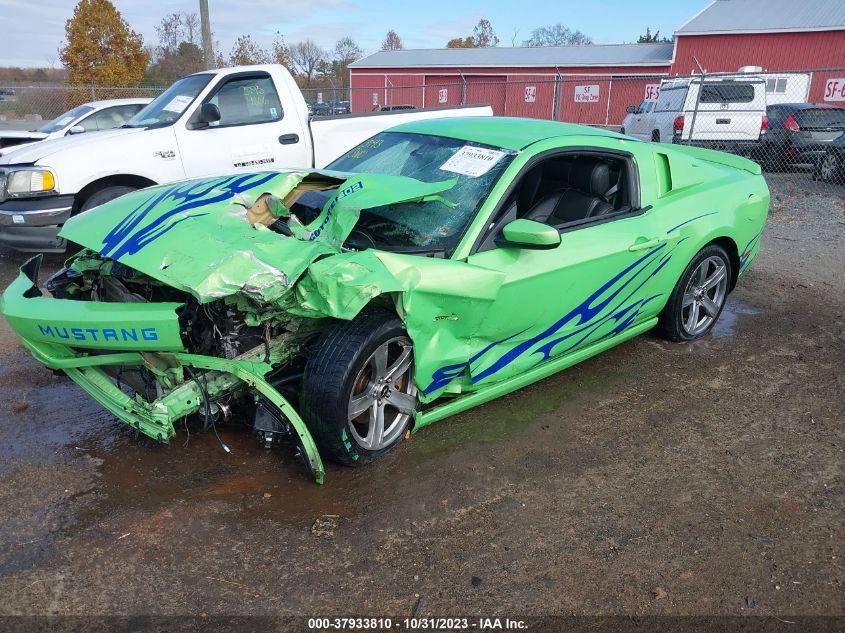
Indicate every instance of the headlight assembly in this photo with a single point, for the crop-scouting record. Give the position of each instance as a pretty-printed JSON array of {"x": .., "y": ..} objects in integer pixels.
[{"x": 29, "y": 181}]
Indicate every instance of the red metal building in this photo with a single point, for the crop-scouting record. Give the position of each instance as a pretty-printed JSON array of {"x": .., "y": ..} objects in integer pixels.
[{"x": 594, "y": 84}]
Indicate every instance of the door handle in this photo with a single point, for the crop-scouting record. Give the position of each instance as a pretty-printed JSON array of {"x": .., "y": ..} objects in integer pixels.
[
  {"x": 289, "y": 139},
  {"x": 642, "y": 244}
]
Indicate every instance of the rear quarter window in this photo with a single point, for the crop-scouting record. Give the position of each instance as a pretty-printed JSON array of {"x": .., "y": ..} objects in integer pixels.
[{"x": 670, "y": 99}]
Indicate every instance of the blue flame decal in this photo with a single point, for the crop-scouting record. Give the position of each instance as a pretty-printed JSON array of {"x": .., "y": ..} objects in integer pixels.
[
  {"x": 613, "y": 303},
  {"x": 745, "y": 255},
  {"x": 142, "y": 226}
]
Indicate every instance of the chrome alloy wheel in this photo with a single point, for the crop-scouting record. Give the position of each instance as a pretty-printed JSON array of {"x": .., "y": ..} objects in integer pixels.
[
  {"x": 384, "y": 395},
  {"x": 704, "y": 295},
  {"x": 829, "y": 167}
]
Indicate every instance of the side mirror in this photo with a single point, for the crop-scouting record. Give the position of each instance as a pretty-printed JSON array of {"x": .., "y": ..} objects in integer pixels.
[
  {"x": 209, "y": 113},
  {"x": 631, "y": 109},
  {"x": 76, "y": 129},
  {"x": 524, "y": 233}
]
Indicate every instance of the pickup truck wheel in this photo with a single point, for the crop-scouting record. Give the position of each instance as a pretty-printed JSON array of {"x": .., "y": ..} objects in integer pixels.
[
  {"x": 104, "y": 195},
  {"x": 358, "y": 391},
  {"x": 655, "y": 136},
  {"x": 698, "y": 298}
]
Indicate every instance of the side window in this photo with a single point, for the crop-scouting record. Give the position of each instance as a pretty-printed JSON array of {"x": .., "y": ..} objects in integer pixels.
[
  {"x": 649, "y": 105},
  {"x": 642, "y": 107},
  {"x": 109, "y": 118},
  {"x": 671, "y": 99},
  {"x": 246, "y": 100},
  {"x": 566, "y": 190}
]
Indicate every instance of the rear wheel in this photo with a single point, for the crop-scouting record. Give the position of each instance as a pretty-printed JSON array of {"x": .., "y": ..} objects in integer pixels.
[
  {"x": 831, "y": 169},
  {"x": 699, "y": 296},
  {"x": 655, "y": 136},
  {"x": 358, "y": 391}
]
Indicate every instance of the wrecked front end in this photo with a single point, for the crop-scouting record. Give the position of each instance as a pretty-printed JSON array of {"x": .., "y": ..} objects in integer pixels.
[
  {"x": 152, "y": 357},
  {"x": 181, "y": 302}
]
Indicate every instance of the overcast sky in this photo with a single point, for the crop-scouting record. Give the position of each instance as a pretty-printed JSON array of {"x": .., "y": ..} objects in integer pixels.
[{"x": 31, "y": 31}]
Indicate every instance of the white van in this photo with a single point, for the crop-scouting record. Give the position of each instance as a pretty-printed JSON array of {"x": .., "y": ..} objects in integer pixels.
[{"x": 725, "y": 112}]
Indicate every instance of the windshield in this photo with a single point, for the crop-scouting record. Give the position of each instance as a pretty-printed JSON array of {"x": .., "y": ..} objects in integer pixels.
[
  {"x": 170, "y": 104},
  {"x": 63, "y": 120},
  {"x": 435, "y": 224}
]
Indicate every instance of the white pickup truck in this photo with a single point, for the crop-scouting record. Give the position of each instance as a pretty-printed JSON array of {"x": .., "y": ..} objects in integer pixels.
[
  {"x": 727, "y": 113},
  {"x": 246, "y": 118}
]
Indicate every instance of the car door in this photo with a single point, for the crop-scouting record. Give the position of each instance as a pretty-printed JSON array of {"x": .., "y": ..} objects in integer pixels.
[
  {"x": 637, "y": 127},
  {"x": 253, "y": 133},
  {"x": 599, "y": 281}
]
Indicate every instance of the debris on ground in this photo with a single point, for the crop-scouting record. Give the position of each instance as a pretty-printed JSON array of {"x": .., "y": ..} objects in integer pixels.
[
  {"x": 659, "y": 593},
  {"x": 325, "y": 525},
  {"x": 18, "y": 406},
  {"x": 476, "y": 581}
]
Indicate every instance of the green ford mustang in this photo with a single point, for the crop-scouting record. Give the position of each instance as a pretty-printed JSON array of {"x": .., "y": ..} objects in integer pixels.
[{"x": 434, "y": 267}]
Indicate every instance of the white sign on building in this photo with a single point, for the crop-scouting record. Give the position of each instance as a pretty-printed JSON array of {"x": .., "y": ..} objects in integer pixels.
[
  {"x": 652, "y": 91},
  {"x": 443, "y": 95},
  {"x": 587, "y": 94},
  {"x": 530, "y": 94},
  {"x": 834, "y": 89}
]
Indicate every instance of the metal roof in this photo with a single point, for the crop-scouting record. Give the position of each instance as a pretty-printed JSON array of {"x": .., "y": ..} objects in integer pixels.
[
  {"x": 766, "y": 16},
  {"x": 545, "y": 56}
]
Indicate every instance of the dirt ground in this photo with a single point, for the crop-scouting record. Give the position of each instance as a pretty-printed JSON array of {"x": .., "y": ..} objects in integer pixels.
[{"x": 702, "y": 479}]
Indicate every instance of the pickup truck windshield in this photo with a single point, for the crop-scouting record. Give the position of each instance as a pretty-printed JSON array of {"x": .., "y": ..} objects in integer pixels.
[
  {"x": 165, "y": 109},
  {"x": 63, "y": 120},
  {"x": 433, "y": 224}
]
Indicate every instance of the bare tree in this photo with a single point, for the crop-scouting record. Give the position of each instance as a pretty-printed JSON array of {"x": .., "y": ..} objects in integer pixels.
[
  {"x": 557, "y": 35},
  {"x": 191, "y": 27},
  {"x": 483, "y": 36},
  {"x": 304, "y": 58},
  {"x": 280, "y": 52},
  {"x": 392, "y": 42},
  {"x": 247, "y": 51}
]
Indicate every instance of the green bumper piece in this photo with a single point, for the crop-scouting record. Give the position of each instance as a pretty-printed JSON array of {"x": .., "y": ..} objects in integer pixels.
[{"x": 26, "y": 309}]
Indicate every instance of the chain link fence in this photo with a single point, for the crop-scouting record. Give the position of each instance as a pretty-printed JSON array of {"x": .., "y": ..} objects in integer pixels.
[
  {"x": 791, "y": 122},
  {"x": 29, "y": 107}
]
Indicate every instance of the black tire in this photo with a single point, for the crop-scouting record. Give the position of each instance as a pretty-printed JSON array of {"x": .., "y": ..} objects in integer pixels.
[
  {"x": 836, "y": 174},
  {"x": 104, "y": 195},
  {"x": 331, "y": 378},
  {"x": 655, "y": 136},
  {"x": 671, "y": 320}
]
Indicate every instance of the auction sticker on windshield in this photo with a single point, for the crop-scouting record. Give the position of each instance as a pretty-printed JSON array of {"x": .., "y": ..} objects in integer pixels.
[
  {"x": 472, "y": 161},
  {"x": 178, "y": 103}
]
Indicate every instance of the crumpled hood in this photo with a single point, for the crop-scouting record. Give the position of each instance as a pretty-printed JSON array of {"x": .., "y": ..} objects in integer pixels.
[
  {"x": 34, "y": 152},
  {"x": 194, "y": 236}
]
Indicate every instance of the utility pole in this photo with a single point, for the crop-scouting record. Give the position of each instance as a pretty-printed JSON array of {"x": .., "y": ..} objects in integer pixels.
[{"x": 207, "y": 51}]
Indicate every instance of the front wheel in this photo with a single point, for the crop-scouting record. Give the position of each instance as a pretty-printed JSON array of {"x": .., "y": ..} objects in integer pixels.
[
  {"x": 699, "y": 296},
  {"x": 104, "y": 195},
  {"x": 358, "y": 391}
]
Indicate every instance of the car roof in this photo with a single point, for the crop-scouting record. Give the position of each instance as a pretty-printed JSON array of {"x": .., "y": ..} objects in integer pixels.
[
  {"x": 507, "y": 132},
  {"x": 806, "y": 106},
  {"x": 106, "y": 103}
]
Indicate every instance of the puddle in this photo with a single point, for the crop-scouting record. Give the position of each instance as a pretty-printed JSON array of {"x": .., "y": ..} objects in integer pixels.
[{"x": 730, "y": 317}]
